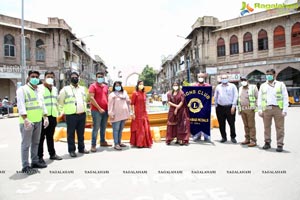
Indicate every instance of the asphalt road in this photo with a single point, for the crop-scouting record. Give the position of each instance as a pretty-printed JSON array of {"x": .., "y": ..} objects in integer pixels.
[{"x": 200, "y": 171}]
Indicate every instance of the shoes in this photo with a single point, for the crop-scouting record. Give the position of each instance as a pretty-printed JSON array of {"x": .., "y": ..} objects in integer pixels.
[
  {"x": 223, "y": 140},
  {"x": 245, "y": 142},
  {"x": 38, "y": 165},
  {"x": 279, "y": 149},
  {"x": 41, "y": 160},
  {"x": 84, "y": 151},
  {"x": 105, "y": 144},
  {"x": 123, "y": 145},
  {"x": 55, "y": 157},
  {"x": 267, "y": 145},
  {"x": 117, "y": 147},
  {"x": 168, "y": 142},
  {"x": 29, "y": 170},
  {"x": 73, "y": 154},
  {"x": 252, "y": 144},
  {"x": 233, "y": 140},
  {"x": 93, "y": 148},
  {"x": 206, "y": 139}
]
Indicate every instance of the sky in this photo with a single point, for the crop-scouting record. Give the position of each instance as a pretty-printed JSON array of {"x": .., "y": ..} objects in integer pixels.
[{"x": 129, "y": 34}]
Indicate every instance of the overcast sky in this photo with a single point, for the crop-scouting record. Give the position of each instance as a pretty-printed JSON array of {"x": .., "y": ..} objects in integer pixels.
[{"x": 129, "y": 33}]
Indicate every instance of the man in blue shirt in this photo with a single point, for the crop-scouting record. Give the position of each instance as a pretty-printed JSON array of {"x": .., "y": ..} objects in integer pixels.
[{"x": 226, "y": 95}]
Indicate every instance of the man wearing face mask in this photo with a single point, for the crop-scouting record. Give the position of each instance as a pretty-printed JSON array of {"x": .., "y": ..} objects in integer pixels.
[
  {"x": 201, "y": 77},
  {"x": 98, "y": 92},
  {"x": 73, "y": 99},
  {"x": 247, "y": 104},
  {"x": 226, "y": 95},
  {"x": 49, "y": 92},
  {"x": 273, "y": 103},
  {"x": 31, "y": 109}
]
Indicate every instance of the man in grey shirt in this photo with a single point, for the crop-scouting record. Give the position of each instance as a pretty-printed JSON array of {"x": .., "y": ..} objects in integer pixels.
[{"x": 226, "y": 95}]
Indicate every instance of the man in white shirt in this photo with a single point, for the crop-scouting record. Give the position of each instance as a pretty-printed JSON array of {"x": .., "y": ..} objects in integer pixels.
[{"x": 273, "y": 103}]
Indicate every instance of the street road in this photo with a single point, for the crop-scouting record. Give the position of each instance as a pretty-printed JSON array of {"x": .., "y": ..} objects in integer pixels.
[{"x": 200, "y": 171}]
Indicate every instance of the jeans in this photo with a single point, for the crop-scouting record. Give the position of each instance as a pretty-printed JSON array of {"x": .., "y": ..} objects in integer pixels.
[
  {"x": 30, "y": 139},
  {"x": 117, "y": 131},
  {"x": 99, "y": 122}
]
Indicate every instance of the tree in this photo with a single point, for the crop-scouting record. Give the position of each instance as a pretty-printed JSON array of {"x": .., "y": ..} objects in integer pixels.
[{"x": 148, "y": 76}]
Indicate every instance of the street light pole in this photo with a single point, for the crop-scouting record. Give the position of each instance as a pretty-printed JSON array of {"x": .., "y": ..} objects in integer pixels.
[{"x": 23, "y": 57}]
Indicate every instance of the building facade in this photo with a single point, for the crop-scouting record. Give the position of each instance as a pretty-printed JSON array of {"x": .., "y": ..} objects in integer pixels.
[
  {"x": 246, "y": 45},
  {"x": 50, "y": 46}
]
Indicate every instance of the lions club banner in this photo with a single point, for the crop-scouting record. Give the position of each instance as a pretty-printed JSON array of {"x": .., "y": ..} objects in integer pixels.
[{"x": 198, "y": 100}]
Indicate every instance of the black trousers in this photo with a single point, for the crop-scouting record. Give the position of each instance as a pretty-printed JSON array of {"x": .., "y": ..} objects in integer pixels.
[
  {"x": 48, "y": 134},
  {"x": 223, "y": 114},
  {"x": 75, "y": 122}
]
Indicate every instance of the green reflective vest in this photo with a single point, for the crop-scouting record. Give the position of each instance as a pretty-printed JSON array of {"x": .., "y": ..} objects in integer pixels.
[
  {"x": 251, "y": 96},
  {"x": 279, "y": 96},
  {"x": 50, "y": 100},
  {"x": 33, "y": 106},
  {"x": 70, "y": 103}
]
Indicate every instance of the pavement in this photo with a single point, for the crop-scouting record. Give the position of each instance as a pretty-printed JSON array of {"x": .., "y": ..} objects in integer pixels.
[{"x": 200, "y": 171}]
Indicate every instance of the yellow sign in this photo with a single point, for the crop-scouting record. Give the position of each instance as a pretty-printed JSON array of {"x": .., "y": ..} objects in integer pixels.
[{"x": 195, "y": 105}]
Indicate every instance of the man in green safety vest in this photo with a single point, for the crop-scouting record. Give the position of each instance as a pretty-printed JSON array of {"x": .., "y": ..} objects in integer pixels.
[
  {"x": 73, "y": 99},
  {"x": 247, "y": 104},
  {"x": 273, "y": 103},
  {"x": 31, "y": 109},
  {"x": 49, "y": 92}
]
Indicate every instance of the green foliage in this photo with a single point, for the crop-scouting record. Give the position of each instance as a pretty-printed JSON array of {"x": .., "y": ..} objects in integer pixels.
[
  {"x": 185, "y": 83},
  {"x": 148, "y": 76}
]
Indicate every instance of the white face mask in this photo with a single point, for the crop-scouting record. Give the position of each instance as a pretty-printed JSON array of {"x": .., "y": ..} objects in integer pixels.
[
  {"x": 49, "y": 81},
  {"x": 244, "y": 83},
  {"x": 175, "y": 88},
  {"x": 201, "y": 80}
]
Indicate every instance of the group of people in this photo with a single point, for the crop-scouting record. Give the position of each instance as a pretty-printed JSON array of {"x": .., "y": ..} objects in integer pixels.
[
  {"x": 40, "y": 104},
  {"x": 270, "y": 101}
]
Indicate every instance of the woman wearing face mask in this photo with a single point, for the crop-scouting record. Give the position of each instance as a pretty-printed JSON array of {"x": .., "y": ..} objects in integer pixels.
[
  {"x": 118, "y": 111},
  {"x": 178, "y": 125},
  {"x": 140, "y": 127}
]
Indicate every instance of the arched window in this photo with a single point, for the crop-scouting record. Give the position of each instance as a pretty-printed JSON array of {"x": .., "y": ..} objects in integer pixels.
[
  {"x": 221, "y": 47},
  {"x": 248, "y": 42},
  {"x": 279, "y": 37},
  {"x": 234, "y": 45},
  {"x": 9, "y": 46},
  {"x": 27, "y": 48},
  {"x": 262, "y": 40},
  {"x": 40, "y": 51},
  {"x": 296, "y": 34}
]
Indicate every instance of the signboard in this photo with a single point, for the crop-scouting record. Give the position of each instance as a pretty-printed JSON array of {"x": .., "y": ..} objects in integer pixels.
[{"x": 198, "y": 101}]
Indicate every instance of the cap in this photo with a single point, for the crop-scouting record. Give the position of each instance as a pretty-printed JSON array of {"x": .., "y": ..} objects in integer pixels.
[{"x": 243, "y": 77}]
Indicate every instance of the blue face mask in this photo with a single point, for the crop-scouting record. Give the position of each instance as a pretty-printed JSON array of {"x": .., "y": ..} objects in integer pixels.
[
  {"x": 34, "y": 81},
  {"x": 224, "y": 81},
  {"x": 269, "y": 77},
  {"x": 100, "y": 80},
  {"x": 118, "y": 88}
]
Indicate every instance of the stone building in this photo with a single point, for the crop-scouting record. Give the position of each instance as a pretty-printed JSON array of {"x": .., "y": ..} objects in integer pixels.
[
  {"x": 246, "y": 45},
  {"x": 47, "y": 47}
]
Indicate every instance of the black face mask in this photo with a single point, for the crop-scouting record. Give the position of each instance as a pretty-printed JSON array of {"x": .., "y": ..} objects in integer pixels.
[{"x": 74, "y": 80}]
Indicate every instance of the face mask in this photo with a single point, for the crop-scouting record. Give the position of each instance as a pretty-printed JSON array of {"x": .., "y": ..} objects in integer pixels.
[
  {"x": 34, "y": 81},
  {"x": 224, "y": 81},
  {"x": 74, "y": 80},
  {"x": 175, "y": 88},
  {"x": 141, "y": 87},
  {"x": 244, "y": 83},
  {"x": 50, "y": 81},
  {"x": 201, "y": 80},
  {"x": 118, "y": 88},
  {"x": 269, "y": 77},
  {"x": 100, "y": 80}
]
